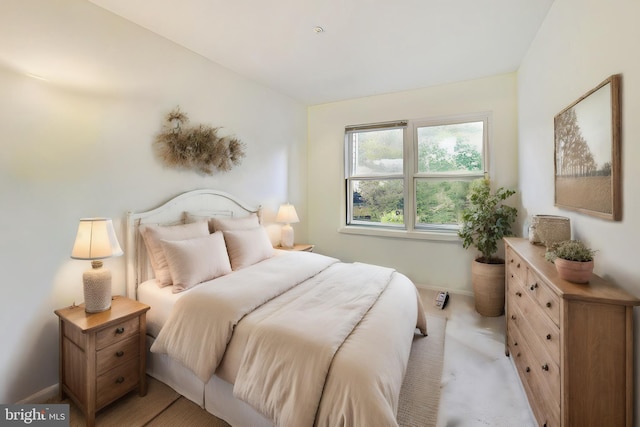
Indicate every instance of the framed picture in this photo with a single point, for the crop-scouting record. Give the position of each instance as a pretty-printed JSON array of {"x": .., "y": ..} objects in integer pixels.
[{"x": 587, "y": 153}]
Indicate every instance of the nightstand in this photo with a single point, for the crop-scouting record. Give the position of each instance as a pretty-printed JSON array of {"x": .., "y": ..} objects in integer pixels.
[
  {"x": 102, "y": 355},
  {"x": 303, "y": 247}
]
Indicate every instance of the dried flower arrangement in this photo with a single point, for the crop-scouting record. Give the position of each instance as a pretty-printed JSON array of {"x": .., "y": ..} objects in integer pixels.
[{"x": 197, "y": 147}]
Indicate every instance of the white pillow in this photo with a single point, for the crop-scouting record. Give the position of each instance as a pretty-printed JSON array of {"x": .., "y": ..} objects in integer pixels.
[
  {"x": 197, "y": 260},
  {"x": 242, "y": 223},
  {"x": 247, "y": 247},
  {"x": 154, "y": 234}
]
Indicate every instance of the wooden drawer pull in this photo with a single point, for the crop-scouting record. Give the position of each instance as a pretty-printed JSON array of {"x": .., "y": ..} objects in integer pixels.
[
  {"x": 528, "y": 369},
  {"x": 549, "y": 337},
  {"x": 549, "y": 304},
  {"x": 120, "y": 353},
  {"x": 534, "y": 286},
  {"x": 513, "y": 317},
  {"x": 545, "y": 367},
  {"x": 519, "y": 293},
  {"x": 120, "y": 331},
  {"x": 119, "y": 380}
]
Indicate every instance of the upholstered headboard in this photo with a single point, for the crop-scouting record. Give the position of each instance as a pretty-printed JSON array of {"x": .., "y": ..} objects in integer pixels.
[{"x": 206, "y": 203}]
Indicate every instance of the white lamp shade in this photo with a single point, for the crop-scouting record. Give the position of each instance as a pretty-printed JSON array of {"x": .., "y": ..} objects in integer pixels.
[
  {"x": 96, "y": 239},
  {"x": 287, "y": 214}
]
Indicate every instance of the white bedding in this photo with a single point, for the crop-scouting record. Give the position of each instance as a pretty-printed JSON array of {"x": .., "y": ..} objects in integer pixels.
[
  {"x": 299, "y": 341},
  {"x": 380, "y": 345},
  {"x": 161, "y": 300}
]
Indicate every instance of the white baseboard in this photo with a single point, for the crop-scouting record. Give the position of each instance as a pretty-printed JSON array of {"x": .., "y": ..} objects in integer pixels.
[
  {"x": 451, "y": 291},
  {"x": 41, "y": 396}
]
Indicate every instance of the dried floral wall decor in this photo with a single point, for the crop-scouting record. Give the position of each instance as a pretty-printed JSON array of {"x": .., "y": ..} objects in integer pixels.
[{"x": 196, "y": 147}]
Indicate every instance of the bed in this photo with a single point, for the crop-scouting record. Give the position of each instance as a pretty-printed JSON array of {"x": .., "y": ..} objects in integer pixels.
[{"x": 259, "y": 336}]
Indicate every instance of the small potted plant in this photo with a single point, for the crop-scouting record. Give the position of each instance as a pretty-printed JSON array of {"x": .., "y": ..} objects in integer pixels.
[
  {"x": 573, "y": 260},
  {"x": 485, "y": 221}
]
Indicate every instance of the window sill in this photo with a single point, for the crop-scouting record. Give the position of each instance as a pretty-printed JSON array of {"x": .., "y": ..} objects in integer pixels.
[{"x": 448, "y": 236}]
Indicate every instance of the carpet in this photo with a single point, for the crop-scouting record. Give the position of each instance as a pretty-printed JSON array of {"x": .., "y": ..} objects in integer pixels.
[
  {"x": 420, "y": 393},
  {"x": 163, "y": 407}
]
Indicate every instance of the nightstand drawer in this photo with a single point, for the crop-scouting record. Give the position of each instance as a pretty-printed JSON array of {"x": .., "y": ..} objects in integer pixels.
[
  {"x": 116, "y": 382},
  {"x": 117, "y": 332},
  {"x": 118, "y": 353}
]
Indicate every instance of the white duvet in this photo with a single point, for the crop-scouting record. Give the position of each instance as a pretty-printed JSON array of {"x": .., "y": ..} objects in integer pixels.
[{"x": 330, "y": 347}]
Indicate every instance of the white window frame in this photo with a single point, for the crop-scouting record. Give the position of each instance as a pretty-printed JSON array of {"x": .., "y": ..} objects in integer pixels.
[{"x": 410, "y": 229}]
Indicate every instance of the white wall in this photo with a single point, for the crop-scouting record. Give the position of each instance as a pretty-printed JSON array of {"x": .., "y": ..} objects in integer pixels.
[
  {"x": 580, "y": 44},
  {"x": 438, "y": 264},
  {"x": 80, "y": 144}
]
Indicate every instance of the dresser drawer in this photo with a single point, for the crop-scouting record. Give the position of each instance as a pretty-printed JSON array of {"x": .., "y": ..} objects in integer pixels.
[
  {"x": 117, "y": 353},
  {"x": 114, "y": 383},
  {"x": 534, "y": 325},
  {"x": 516, "y": 266},
  {"x": 118, "y": 332},
  {"x": 539, "y": 358},
  {"x": 541, "y": 382},
  {"x": 544, "y": 297}
]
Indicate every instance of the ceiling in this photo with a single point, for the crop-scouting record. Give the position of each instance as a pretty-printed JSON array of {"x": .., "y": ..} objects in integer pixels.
[{"x": 367, "y": 47}]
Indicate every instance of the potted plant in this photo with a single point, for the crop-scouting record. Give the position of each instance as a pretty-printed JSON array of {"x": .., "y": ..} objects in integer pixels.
[
  {"x": 485, "y": 221},
  {"x": 573, "y": 260}
]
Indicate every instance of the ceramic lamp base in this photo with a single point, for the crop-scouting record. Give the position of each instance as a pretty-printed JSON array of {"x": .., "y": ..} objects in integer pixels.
[
  {"x": 286, "y": 237},
  {"x": 97, "y": 288}
]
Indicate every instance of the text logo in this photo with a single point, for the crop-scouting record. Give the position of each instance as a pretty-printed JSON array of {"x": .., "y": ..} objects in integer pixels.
[{"x": 54, "y": 415}]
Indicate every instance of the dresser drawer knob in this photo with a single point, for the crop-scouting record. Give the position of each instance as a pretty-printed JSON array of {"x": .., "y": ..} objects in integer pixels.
[
  {"x": 545, "y": 367},
  {"x": 519, "y": 293},
  {"x": 528, "y": 369},
  {"x": 534, "y": 286},
  {"x": 119, "y": 380},
  {"x": 518, "y": 265},
  {"x": 549, "y": 337},
  {"x": 549, "y": 304},
  {"x": 120, "y": 353},
  {"x": 120, "y": 331},
  {"x": 513, "y": 317}
]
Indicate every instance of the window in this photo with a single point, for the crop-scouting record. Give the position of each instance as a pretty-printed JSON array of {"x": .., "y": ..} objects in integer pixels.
[{"x": 413, "y": 175}]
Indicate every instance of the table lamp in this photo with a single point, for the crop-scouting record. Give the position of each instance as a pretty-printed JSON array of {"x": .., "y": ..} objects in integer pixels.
[
  {"x": 287, "y": 215},
  {"x": 96, "y": 240}
]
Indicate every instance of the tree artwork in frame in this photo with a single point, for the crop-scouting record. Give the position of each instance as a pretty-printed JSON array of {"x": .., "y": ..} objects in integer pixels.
[{"x": 587, "y": 153}]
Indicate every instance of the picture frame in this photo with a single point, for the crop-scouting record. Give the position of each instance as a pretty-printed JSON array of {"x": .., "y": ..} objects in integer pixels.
[{"x": 587, "y": 154}]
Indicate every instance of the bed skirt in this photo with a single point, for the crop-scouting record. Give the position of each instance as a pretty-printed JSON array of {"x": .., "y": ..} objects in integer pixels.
[{"x": 216, "y": 396}]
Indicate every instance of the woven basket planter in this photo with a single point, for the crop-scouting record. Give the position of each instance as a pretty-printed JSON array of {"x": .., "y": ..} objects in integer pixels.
[{"x": 488, "y": 288}]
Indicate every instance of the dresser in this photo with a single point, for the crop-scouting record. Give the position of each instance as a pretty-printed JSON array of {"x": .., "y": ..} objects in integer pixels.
[
  {"x": 102, "y": 355},
  {"x": 571, "y": 344}
]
